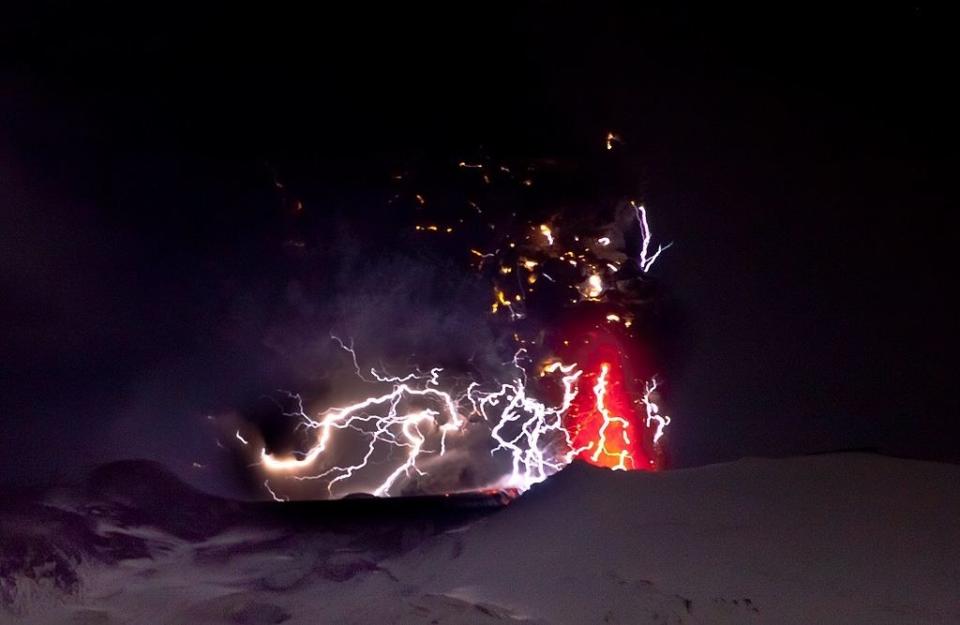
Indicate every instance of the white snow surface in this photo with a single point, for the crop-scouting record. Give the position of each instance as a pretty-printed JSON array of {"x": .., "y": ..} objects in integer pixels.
[{"x": 841, "y": 538}]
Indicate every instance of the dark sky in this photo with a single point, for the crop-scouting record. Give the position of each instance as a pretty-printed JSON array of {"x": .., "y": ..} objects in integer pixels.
[{"x": 801, "y": 158}]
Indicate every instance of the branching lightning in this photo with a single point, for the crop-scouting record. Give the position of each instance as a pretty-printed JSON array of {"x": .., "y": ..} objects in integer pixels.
[
  {"x": 529, "y": 430},
  {"x": 534, "y": 434},
  {"x": 646, "y": 260},
  {"x": 653, "y": 411},
  {"x": 609, "y": 419},
  {"x": 410, "y": 421}
]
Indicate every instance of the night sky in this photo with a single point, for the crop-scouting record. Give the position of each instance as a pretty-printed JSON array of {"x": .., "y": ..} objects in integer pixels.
[{"x": 801, "y": 159}]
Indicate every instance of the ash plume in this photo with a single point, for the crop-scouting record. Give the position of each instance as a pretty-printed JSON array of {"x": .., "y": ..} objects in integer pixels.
[{"x": 483, "y": 287}]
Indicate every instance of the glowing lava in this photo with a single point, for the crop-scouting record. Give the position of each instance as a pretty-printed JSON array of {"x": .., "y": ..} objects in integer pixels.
[
  {"x": 603, "y": 423},
  {"x": 586, "y": 393}
]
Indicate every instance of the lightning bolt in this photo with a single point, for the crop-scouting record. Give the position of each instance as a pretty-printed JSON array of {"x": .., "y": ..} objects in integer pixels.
[
  {"x": 646, "y": 260},
  {"x": 530, "y": 431},
  {"x": 413, "y": 417},
  {"x": 600, "y": 392},
  {"x": 653, "y": 411},
  {"x": 525, "y": 427}
]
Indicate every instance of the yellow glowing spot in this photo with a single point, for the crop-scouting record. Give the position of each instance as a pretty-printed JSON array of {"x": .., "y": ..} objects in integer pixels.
[
  {"x": 471, "y": 165},
  {"x": 528, "y": 264},
  {"x": 528, "y": 183},
  {"x": 501, "y": 300},
  {"x": 419, "y": 227},
  {"x": 532, "y": 279},
  {"x": 627, "y": 323},
  {"x": 420, "y": 199},
  {"x": 545, "y": 230},
  {"x": 566, "y": 342},
  {"x": 517, "y": 297},
  {"x": 611, "y": 139},
  {"x": 432, "y": 228},
  {"x": 613, "y": 267},
  {"x": 552, "y": 366},
  {"x": 572, "y": 262},
  {"x": 613, "y": 317},
  {"x": 594, "y": 286},
  {"x": 604, "y": 241},
  {"x": 513, "y": 245},
  {"x": 449, "y": 230},
  {"x": 506, "y": 269},
  {"x": 472, "y": 251}
]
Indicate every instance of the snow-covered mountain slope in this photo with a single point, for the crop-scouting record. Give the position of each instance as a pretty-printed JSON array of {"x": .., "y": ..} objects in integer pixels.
[{"x": 845, "y": 538}]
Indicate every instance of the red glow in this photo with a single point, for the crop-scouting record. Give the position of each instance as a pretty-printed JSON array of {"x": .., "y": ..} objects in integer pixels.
[{"x": 606, "y": 422}]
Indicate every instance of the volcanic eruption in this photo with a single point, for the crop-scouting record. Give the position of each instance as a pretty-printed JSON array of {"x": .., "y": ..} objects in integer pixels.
[{"x": 568, "y": 294}]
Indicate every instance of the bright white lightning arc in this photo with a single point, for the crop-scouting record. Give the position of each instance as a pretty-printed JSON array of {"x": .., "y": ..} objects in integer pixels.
[
  {"x": 653, "y": 411},
  {"x": 273, "y": 493},
  {"x": 600, "y": 392},
  {"x": 540, "y": 446},
  {"x": 533, "y": 458},
  {"x": 354, "y": 416},
  {"x": 531, "y": 432},
  {"x": 646, "y": 260}
]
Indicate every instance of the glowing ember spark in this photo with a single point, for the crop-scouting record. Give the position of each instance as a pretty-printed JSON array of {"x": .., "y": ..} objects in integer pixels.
[
  {"x": 593, "y": 288},
  {"x": 501, "y": 300},
  {"x": 546, "y": 232}
]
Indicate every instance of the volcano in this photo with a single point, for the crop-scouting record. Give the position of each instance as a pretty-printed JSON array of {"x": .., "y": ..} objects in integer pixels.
[{"x": 786, "y": 541}]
